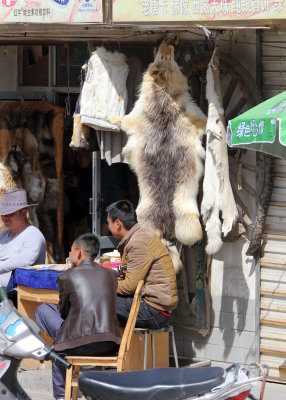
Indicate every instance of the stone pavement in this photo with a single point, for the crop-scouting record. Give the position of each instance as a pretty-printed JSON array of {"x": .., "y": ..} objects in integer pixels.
[
  {"x": 273, "y": 391},
  {"x": 38, "y": 384}
]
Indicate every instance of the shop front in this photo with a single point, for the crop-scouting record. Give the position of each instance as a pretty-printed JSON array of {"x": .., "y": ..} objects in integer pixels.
[{"x": 40, "y": 65}]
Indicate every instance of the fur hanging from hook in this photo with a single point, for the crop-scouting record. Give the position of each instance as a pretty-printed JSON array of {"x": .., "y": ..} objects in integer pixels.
[
  {"x": 218, "y": 202},
  {"x": 164, "y": 149}
]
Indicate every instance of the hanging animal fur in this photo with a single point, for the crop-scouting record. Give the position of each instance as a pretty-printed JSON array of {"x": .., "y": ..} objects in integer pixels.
[
  {"x": 217, "y": 192},
  {"x": 164, "y": 149}
]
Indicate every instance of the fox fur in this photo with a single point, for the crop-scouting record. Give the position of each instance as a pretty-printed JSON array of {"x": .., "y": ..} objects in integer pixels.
[{"x": 164, "y": 149}]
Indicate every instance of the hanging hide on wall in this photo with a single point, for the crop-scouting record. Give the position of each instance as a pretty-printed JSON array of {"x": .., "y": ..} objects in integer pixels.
[
  {"x": 164, "y": 149},
  {"x": 218, "y": 206},
  {"x": 32, "y": 134}
]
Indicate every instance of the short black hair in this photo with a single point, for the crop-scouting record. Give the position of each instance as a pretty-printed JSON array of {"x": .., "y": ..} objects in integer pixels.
[
  {"x": 89, "y": 243},
  {"x": 124, "y": 211}
]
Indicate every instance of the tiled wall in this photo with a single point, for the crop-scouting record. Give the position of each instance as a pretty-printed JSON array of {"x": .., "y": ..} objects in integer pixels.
[{"x": 234, "y": 333}]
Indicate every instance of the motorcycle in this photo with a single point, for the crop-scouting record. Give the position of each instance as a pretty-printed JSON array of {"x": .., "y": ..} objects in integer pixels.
[
  {"x": 212, "y": 383},
  {"x": 20, "y": 338}
]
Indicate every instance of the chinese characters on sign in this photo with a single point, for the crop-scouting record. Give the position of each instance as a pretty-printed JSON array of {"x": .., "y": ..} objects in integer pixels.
[
  {"x": 30, "y": 12},
  {"x": 197, "y": 10},
  {"x": 51, "y": 11},
  {"x": 253, "y": 129}
]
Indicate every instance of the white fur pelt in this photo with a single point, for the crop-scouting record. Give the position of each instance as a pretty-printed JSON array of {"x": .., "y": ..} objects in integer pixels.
[
  {"x": 164, "y": 149},
  {"x": 104, "y": 91},
  {"x": 218, "y": 202}
]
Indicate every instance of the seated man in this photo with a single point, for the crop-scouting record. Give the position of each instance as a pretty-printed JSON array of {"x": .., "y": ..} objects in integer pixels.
[
  {"x": 147, "y": 258},
  {"x": 21, "y": 244},
  {"x": 85, "y": 322}
]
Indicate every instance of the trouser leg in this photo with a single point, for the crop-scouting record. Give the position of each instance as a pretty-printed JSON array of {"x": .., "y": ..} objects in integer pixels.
[
  {"x": 59, "y": 379},
  {"x": 49, "y": 319},
  {"x": 148, "y": 316}
]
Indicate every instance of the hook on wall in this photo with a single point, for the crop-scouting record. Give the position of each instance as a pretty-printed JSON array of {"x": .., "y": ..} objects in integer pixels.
[{"x": 206, "y": 31}]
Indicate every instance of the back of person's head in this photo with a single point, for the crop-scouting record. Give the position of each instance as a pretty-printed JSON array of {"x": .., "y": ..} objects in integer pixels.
[
  {"x": 124, "y": 211},
  {"x": 89, "y": 243}
]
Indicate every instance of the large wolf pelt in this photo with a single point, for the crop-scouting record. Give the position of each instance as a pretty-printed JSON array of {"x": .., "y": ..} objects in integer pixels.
[
  {"x": 164, "y": 149},
  {"x": 218, "y": 202}
]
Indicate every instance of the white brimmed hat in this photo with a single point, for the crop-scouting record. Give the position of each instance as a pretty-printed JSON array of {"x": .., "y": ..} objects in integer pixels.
[{"x": 14, "y": 200}]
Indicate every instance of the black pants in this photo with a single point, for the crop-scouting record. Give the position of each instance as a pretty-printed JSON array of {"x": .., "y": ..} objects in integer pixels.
[{"x": 148, "y": 317}]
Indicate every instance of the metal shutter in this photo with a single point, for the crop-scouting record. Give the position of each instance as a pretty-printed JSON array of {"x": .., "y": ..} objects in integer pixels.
[{"x": 273, "y": 262}]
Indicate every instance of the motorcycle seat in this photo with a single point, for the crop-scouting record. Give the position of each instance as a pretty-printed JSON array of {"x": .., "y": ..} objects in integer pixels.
[{"x": 155, "y": 384}]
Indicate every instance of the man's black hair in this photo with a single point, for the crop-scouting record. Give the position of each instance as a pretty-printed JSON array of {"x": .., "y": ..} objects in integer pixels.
[
  {"x": 124, "y": 211},
  {"x": 89, "y": 243}
]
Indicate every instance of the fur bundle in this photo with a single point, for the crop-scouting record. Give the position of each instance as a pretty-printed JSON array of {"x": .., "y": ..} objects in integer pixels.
[
  {"x": 5, "y": 142},
  {"x": 28, "y": 148},
  {"x": 164, "y": 149},
  {"x": 41, "y": 125},
  {"x": 83, "y": 138}
]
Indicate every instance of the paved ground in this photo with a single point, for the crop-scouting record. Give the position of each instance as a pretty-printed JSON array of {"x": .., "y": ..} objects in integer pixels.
[
  {"x": 273, "y": 391},
  {"x": 38, "y": 385}
]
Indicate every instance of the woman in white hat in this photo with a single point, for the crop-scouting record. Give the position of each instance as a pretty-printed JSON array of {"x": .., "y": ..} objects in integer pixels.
[{"x": 21, "y": 244}]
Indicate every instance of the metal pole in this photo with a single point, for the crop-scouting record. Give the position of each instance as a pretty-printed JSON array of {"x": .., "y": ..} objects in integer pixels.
[{"x": 95, "y": 201}]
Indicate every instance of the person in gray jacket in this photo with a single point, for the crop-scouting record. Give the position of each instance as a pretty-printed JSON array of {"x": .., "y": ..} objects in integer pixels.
[
  {"x": 85, "y": 322},
  {"x": 21, "y": 244}
]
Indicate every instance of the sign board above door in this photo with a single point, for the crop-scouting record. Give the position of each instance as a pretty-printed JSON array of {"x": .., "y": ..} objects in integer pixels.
[
  {"x": 209, "y": 12},
  {"x": 51, "y": 11}
]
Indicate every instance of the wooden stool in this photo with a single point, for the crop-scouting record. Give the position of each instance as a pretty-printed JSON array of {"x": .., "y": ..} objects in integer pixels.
[{"x": 152, "y": 332}]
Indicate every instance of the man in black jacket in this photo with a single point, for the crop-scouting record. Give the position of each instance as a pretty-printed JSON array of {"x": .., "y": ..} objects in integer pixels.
[{"x": 85, "y": 322}]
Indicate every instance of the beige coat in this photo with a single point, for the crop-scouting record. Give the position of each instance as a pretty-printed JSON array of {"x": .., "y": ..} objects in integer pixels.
[{"x": 147, "y": 258}]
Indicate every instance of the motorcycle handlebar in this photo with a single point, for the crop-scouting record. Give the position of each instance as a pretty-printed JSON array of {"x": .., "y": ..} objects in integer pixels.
[{"x": 53, "y": 356}]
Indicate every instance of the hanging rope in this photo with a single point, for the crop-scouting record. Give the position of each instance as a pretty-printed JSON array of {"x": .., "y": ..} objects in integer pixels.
[{"x": 67, "y": 100}]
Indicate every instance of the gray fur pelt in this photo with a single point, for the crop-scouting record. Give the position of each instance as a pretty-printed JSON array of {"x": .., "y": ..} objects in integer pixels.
[{"x": 164, "y": 149}]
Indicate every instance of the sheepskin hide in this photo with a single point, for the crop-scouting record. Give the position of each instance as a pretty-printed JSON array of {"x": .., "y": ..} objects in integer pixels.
[
  {"x": 104, "y": 90},
  {"x": 218, "y": 203},
  {"x": 164, "y": 149}
]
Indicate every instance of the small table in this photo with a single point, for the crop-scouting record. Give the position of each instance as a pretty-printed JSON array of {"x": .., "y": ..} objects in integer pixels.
[{"x": 35, "y": 286}]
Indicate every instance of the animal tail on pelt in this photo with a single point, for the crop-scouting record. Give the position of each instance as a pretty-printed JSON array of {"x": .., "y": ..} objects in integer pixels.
[{"x": 174, "y": 253}]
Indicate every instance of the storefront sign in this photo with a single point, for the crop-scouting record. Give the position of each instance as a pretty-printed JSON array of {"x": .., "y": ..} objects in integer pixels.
[
  {"x": 152, "y": 11},
  {"x": 51, "y": 11}
]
